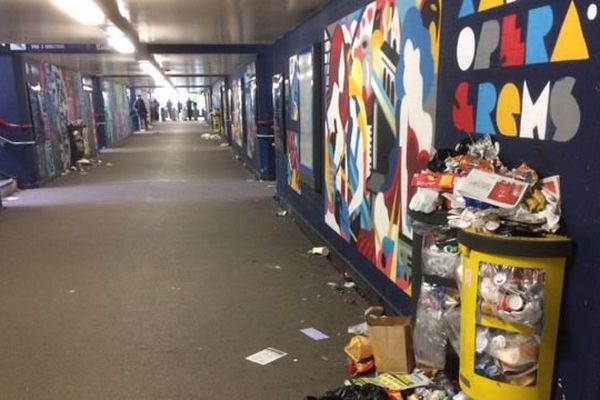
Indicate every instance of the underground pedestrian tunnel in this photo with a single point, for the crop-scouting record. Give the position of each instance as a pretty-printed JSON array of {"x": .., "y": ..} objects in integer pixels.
[{"x": 206, "y": 199}]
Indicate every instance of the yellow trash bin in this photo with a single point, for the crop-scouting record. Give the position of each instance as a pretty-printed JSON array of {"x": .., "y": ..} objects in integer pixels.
[{"x": 511, "y": 297}]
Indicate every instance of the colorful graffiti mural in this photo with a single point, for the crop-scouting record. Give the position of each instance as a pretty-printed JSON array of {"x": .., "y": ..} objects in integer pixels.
[
  {"x": 250, "y": 103},
  {"x": 294, "y": 92},
  {"x": 500, "y": 58},
  {"x": 56, "y": 98},
  {"x": 293, "y": 156},
  {"x": 381, "y": 77},
  {"x": 116, "y": 110},
  {"x": 237, "y": 130}
]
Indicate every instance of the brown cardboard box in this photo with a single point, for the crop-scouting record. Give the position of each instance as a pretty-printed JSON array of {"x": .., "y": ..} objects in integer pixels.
[{"x": 391, "y": 341}]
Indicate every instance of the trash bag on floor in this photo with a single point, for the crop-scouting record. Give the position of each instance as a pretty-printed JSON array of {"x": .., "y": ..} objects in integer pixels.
[{"x": 366, "y": 392}]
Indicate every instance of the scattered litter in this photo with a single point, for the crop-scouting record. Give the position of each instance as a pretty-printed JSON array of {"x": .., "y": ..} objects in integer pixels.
[
  {"x": 395, "y": 382},
  {"x": 175, "y": 288},
  {"x": 304, "y": 299},
  {"x": 206, "y": 136},
  {"x": 271, "y": 186},
  {"x": 314, "y": 334},
  {"x": 83, "y": 173},
  {"x": 266, "y": 356},
  {"x": 322, "y": 251},
  {"x": 282, "y": 213},
  {"x": 352, "y": 392},
  {"x": 84, "y": 161},
  {"x": 224, "y": 145},
  {"x": 215, "y": 137},
  {"x": 359, "y": 329},
  {"x": 73, "y": 168},
  {"x": 278, "y": 267},
  {"x": 349, "y": 285},
  {"x": 332, "y": 284},
  {"x": 324, "y": 358},
  {"x": 11, "y": 198},
  {"x": 72, "y": 291},
  {"x": 295, "y": 360},
  {"x": 109, "y": 164}
]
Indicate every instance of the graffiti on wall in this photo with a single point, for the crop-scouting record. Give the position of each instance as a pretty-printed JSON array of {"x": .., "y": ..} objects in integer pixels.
[
  {"x": 380, "y": 74},
  {"x": 116, "y": 110},
  {"x": 294, "y": 92},
  {"x": 56, "y": 98},
  {"x": 237, "y": 130},
  {"x": 499, "y": 59},
  {"x": 293, "y": 156},
  {"x": 250, "y": 103}
]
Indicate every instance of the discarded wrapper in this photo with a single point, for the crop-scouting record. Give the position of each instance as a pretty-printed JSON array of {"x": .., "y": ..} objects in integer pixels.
[
  {"x": 359, "y": 348},
  {"x": 396, "y": 382},
  {"x": 319, "y": 251}
]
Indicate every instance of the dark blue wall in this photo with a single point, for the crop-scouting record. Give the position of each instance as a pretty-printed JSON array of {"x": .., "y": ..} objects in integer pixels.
[
  {"x": 578, "y": 362},
  {"x": 15, "y": 161},
  {"x": 263, "y": 163}
]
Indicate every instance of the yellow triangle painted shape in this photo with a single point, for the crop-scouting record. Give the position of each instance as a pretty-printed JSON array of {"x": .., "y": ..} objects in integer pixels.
[
  {"x": 571, "y": 44},
  {"x": 489, "y": 4}
]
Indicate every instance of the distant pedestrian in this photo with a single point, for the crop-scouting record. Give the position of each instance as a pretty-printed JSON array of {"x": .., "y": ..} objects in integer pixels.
[
  {"x": 140, "y": 107},
  {"x": 155, "y": 110},
  {"x": 170, "y": 109},
  {"x": 179, "y": 108},
  {"x": 189, "y": 109}
]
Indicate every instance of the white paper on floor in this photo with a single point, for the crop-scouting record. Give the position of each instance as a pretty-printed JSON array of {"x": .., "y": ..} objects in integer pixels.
[
  {"x": 266, "y": 356},
  {"x": 314, "y": 334}
]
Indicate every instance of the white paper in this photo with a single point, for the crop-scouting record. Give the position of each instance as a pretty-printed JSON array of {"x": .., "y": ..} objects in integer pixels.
[
  {"x": 493, "y": 189},
  {"x": 314, "y": 334},
  {"x": 266, "y": 356}
]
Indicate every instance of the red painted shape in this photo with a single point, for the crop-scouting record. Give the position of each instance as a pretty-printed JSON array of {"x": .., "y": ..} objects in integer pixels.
[
  {"x": 512, "y": 47},
  {"x": 462, "y": 111},
  {"x": 10, "y": 125}
]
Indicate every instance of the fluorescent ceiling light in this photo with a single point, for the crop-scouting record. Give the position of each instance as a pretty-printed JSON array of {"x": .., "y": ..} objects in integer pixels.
[
  {"x": 118, "y": 41},
  {"x": 86, "y": 12},
  {"x": 154, "y": 72}
]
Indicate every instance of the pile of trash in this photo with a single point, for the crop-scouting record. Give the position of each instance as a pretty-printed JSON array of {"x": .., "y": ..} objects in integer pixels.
[
  {"x": 381, "y": 365},
  {"x": 482, "y": 193}
]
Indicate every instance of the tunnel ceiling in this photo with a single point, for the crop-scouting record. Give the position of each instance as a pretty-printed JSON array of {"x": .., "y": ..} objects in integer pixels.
[{"x": 171, "y": 22}]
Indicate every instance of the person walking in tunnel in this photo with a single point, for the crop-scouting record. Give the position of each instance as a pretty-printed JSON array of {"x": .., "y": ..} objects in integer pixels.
[
  {"x": 170, "y": 109},
  {"x": 142, "y": 111},
  {"x": 189, "y": 109},
  {"x": 179, "y": 108}
]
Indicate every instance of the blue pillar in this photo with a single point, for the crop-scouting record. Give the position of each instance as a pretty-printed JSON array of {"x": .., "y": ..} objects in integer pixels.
[{"x": 264, "y": 112}]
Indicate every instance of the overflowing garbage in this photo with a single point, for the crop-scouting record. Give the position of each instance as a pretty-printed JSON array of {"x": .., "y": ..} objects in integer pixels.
[
  {"x": 479, "y": 191},
  {"x": 381, "y": 364}
]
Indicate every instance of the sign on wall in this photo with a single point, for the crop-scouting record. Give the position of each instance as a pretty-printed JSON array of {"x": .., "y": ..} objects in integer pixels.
[{"x": 517, "y": 69}]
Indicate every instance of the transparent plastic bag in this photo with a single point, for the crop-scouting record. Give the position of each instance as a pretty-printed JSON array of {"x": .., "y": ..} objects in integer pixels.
[
  {"x": 431, "y": 331},
  {"x": 507, "y": 357},
  {"x": 440, "y": 253},
  {"x": 512, "y": 294},
  {"x": 452, "y": 318}
]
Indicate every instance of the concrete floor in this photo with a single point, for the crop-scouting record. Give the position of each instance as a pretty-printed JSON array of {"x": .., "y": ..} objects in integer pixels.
[{"x": 155, "y": 277}]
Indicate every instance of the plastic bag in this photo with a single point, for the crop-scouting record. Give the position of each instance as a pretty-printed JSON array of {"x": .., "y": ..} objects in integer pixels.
[
  {"x": 440, "y": 253},
  {"x": 431, "y": 331},
  {"x": 507, "y": 357},
  {"x": 453, "y": 324},
  {"x": 512, "y": 294}
]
